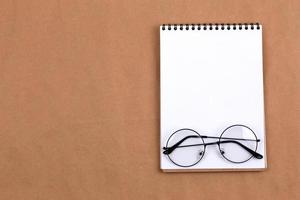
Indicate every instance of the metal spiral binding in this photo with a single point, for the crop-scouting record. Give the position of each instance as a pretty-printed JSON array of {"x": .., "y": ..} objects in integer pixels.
[{"x": 235, "y": 26}]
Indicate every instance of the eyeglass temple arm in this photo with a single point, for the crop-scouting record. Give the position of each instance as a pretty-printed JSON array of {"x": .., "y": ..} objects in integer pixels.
[
  {"x": 230, "y": 138},
  {"x": 169, "y": 150},
  {"x": 254, "y": 153}
]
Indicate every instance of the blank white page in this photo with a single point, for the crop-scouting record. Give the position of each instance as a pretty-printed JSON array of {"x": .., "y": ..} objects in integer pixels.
[{"x": 209, "y": 80}]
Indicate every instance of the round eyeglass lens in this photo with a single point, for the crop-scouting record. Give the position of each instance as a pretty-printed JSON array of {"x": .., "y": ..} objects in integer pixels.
[
  {"x": 231, "y": 150},
  {"x": 190, "y": 151}
]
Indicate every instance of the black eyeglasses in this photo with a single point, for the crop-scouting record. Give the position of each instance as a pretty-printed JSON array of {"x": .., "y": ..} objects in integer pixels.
[{"x": 237, "y": 144}]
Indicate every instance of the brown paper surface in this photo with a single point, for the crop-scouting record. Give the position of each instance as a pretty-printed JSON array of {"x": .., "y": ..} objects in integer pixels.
[{"x": 79, "y": 100}]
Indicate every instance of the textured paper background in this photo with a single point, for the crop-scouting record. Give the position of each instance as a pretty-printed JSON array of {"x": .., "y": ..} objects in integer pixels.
[{"x": 79, "y": 100}]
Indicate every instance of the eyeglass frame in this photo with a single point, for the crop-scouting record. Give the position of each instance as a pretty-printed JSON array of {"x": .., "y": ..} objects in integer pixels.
[{"x": 253, "y": 153}]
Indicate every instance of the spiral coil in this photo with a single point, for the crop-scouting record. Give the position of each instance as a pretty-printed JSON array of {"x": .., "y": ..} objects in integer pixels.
[{"x": 238, "y": 26}]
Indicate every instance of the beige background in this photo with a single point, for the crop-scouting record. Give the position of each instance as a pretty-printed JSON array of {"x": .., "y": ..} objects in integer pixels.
[{"x": 79, "y": 100}]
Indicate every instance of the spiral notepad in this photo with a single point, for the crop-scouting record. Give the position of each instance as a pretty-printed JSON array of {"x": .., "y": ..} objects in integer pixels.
[{"x": 212, "y": 99}]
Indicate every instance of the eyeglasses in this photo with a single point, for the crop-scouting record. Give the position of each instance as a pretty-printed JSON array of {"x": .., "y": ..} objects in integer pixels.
[{"x": 237, "y": 144}]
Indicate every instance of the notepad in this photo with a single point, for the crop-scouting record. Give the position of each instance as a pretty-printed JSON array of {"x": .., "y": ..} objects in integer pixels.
[{"x": 211, "y": 77}]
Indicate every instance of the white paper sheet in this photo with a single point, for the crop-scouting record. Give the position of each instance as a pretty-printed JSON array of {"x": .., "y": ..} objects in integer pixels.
[{"x": 211, "y": 79}]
